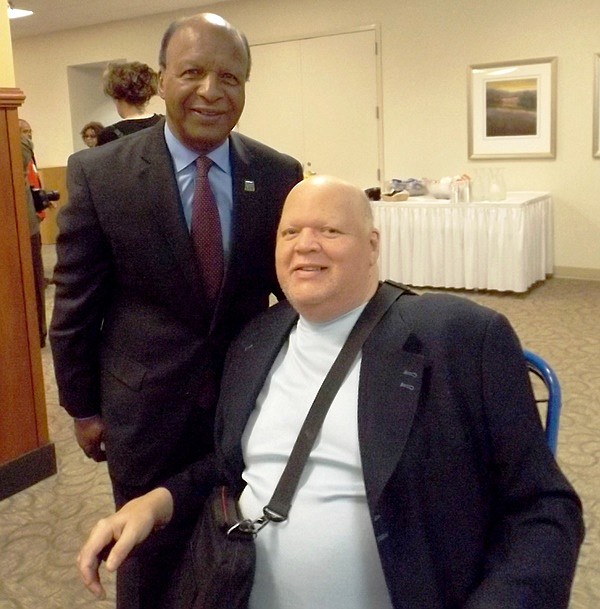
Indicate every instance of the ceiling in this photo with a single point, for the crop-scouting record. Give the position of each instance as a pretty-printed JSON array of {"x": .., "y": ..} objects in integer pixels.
[{"x": 53, "y": 15}]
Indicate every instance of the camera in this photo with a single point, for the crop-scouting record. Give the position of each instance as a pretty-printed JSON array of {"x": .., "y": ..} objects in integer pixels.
[{"x": 44, "y": 198}]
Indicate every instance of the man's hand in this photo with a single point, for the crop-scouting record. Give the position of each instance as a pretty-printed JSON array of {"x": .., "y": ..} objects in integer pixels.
[
  {"x": 128, "y": 527},
  {"x": 90, "y": 437}
]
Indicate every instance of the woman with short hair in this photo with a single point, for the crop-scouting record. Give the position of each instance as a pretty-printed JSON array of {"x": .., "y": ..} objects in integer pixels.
[{"x": 131, "y": 85}]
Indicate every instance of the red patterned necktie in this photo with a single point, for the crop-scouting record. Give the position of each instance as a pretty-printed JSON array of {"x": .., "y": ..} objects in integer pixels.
[{"x": 206, "y": 232}]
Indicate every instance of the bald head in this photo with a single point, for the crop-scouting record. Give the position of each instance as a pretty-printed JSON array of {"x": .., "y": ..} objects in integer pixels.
[
  {"x": 325, "y": 186},
  {"x": 327, "y": 248},
  {"x": 25, "y": 129}
]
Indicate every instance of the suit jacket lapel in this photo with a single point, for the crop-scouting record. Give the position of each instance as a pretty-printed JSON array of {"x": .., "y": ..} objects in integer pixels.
[
  {"x": 388, "y": 398},
  {"x": 249, "y": 366},
  {"x": 242, "y": 215},
  {"x": 157, "y": 181},
  {"x": 244, "y": 190}
]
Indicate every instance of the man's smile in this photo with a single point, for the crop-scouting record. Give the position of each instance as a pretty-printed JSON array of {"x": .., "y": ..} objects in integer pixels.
[{"x": 308, "y": 268}]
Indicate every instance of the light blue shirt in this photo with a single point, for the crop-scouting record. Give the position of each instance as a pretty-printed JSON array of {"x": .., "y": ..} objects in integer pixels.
[{"x": 219, "y": 177}]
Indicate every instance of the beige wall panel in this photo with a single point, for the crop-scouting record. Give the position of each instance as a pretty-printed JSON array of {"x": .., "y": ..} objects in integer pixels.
[
  {"x": 315, "y": 112},
  {"x": 426, "y": 48},
  {"x": 273, "y": 112}
]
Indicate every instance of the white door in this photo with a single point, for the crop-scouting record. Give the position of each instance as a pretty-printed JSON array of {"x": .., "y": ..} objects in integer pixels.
[{"x": 316, "y": 99}]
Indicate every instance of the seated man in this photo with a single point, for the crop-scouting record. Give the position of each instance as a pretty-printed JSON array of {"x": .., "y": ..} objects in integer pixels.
[{"x": 430, "y": 485}]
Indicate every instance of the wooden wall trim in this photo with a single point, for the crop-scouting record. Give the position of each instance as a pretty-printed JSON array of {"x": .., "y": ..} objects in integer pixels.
[
  {"x": 23, "y": 420},
  {"x": 572, "y": 272},
  {"x": 11, "y": 97},
  {"x": 27, "y": 470}
]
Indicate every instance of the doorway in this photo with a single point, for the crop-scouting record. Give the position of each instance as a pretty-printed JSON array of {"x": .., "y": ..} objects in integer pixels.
[{"x": 318, "y": 99}]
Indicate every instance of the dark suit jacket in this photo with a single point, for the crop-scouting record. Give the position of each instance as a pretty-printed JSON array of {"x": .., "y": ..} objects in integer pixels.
[
  {"x": 131, "y": 338},
  {"x": 468, "y": 506}
]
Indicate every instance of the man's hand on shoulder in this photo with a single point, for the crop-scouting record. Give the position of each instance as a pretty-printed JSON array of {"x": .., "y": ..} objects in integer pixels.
[{"x": 90, "y": 437}]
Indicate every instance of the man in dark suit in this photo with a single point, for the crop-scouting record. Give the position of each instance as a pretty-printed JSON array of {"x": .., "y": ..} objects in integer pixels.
[
  {"x": 430, "y": 484},
  {"x": 34, "y": 232},
  {"x": 138, "y": 344}
]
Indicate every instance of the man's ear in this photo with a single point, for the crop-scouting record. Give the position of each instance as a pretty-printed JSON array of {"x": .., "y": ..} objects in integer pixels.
[
  {"x": 374, "y": 242},
  {"x": 160, "y": 84}
]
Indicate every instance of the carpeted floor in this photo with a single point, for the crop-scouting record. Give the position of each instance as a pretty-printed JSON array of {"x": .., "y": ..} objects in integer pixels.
[{"x": 42, "y": 528}]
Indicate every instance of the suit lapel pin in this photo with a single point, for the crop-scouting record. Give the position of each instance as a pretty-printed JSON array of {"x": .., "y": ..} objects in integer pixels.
[{"x": 249, "y": 186}]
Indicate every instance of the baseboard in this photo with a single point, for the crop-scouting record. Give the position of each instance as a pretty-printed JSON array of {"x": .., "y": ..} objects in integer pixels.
[
  {"x": 573, "y": 272},
  {"x": 27, "y": 470}
]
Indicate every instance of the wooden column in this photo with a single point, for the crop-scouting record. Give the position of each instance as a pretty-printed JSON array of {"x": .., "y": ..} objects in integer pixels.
[{"x": 26, "y": 454}]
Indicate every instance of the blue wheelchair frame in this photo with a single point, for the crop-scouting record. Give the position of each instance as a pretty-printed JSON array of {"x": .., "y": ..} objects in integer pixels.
[{"x": 538, "y": 366}]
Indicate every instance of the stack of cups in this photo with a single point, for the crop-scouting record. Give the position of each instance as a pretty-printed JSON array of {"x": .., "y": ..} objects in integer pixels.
[
  {"x": 488, "y": 184},
  {"x": 460, "y": 190}
]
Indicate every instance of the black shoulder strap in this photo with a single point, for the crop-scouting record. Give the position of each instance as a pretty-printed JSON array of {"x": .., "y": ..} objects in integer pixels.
[{"x": 278, "y": 508}]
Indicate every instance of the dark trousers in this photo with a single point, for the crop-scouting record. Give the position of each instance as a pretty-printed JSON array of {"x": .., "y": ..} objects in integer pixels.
[
  {"x": 143, "y": 578},
  {"x": 40, "y": 285}
]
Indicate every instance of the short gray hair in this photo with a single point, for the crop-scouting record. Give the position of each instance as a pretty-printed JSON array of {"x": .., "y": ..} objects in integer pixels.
[{"x": 175, "y": 25}]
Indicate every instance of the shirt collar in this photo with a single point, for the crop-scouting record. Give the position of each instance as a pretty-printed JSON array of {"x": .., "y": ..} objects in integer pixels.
[{"x": 183, "y": 156}]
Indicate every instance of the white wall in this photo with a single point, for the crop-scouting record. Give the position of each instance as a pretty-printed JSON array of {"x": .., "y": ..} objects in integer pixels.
[
  {"x": 7, "y": 71},
  {"x": 427, "y": 46}
]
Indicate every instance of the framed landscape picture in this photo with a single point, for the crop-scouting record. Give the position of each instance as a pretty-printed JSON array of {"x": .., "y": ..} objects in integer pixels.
[{"x": 512, "y": 109}]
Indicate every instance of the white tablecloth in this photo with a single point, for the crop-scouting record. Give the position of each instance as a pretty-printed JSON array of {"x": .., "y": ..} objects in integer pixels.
[{"x": 505, "y": 245}]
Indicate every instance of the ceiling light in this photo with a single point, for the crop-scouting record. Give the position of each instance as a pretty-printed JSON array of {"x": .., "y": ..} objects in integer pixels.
[{"x": 15, "y": 13}]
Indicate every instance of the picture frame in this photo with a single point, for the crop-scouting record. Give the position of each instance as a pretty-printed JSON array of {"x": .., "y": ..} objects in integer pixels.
[
  {"x": 512, "y": 109},
  {"x": 596, "y": 118}
]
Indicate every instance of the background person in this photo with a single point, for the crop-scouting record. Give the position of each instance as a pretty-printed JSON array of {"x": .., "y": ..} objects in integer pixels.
[
  {"x": 89, "y": 133},
  {"x": 430, "y": 484},
  {"x": 36, "y": 241},
  {"x": 32, "y": 174},
  {"x": 131, "y": 85},
  {"x": 137, "y": 343},
  {"x": 33, "y": 181}
]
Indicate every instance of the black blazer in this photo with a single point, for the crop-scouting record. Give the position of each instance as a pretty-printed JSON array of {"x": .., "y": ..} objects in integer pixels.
[
  {"x": 468, "y": 505},
  {"x": 131, "y": 338}
]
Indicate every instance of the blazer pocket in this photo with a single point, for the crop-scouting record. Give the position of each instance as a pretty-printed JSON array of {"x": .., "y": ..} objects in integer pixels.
[{"x": 126, "y": 371}]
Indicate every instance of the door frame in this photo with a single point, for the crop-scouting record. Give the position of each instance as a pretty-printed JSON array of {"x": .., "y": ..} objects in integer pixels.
[{"x": 376, "y": 29}]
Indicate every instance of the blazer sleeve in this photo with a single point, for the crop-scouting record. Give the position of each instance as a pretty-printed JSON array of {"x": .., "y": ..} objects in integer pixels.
[
  {"x": 82, "y": 278},
  {"x": 533, "y": 551}
]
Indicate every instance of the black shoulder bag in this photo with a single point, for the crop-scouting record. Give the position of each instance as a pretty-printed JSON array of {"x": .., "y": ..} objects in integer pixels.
[{"x": 217, "y": 570}]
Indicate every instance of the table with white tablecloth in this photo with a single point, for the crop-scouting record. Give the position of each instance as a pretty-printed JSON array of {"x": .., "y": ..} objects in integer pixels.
[{"x": 505, "y": 245}]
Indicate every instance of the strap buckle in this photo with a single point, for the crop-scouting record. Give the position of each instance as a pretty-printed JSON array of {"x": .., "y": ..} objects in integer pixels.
[
  {"x": 248, "y": 527},
  {"x": 271, "y": 514},
  {"x": 252, "y": 527}
]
